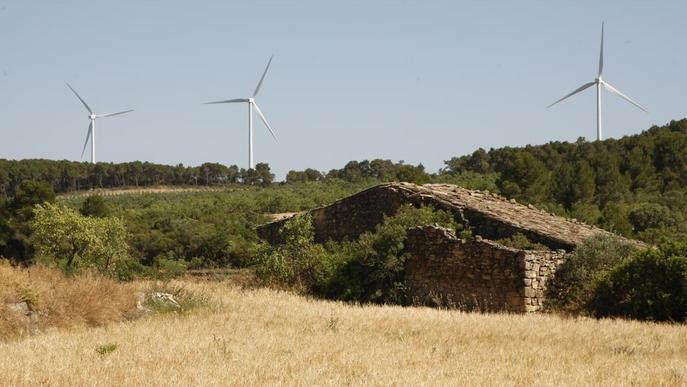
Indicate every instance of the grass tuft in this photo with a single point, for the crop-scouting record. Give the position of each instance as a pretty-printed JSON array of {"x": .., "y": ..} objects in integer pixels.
[
  {"x": 34, "y": 299},
  {"x": 106, "y": 348},
  {"x": 172, "y": 297}
]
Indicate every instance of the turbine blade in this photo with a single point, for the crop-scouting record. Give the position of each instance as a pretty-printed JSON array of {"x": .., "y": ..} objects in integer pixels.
[
  {"x": 601, "y": 53},
  {"x": 113, "y": 114},
  {"x": 88, "y": 136},
  {"x": 228, "y": 101},
  {"x": 621, "y": 95},
  {"x": 80, "y": 99},
  {"x": 264, "y": 120},
  {"x": 263, "y": 77},
  {"x": 586, "y": 85}
]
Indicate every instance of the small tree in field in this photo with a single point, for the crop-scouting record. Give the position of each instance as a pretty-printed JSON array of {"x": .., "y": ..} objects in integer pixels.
[{"x": 73, "y": 241}]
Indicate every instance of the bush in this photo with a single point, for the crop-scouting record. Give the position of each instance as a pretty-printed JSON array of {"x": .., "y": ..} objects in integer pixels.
[
  {"x": 576, "y": 279},
  {"x": 94, "y": 205},
  {"x": 652, "y": 285},
  {"x": 129, "y": 269},
  {"x": 520, "y": 241},
  {"x": 649, "y": 216},
  {"x": 372, "y": 268},
  {"x": 299, "y": 262},
  {"x": 74, "y": 242},
  {"x": 167, "y": 267}
]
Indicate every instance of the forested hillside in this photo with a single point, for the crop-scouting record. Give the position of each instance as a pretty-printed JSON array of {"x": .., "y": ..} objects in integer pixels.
[
  {"x": 635, "y": 186},
  {"x": 66, "y": 176}
]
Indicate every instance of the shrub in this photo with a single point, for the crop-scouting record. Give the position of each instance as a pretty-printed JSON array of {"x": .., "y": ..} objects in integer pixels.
[
  {"x": 649, "y": 216},
  {"x": 298, "y": 262},
  {"x": 576, "y": 279},
  {"x": 94, "y": 205},
  {"x": 652, "y": 285},
  {"x": 520, "y": 241},
  {"x": 372, "y": 268},
  {"x": 166, "y": 267},
  {"x": 63, "y": 236},
  {"x": 130, "y": 269}
]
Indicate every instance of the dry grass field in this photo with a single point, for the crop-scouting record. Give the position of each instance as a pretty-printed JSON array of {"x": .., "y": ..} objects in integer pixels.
[{"x": 267, "y": 337}]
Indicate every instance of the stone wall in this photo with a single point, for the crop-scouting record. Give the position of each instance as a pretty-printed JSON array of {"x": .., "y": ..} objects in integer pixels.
[
  {"x": 444, "y": 270},
  {"x": 346, "y": 218},
  {"x": 488, "y": 215}
]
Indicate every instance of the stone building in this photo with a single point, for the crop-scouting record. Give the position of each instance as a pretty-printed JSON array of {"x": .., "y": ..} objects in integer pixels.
[{"x": 443, "y": 269}]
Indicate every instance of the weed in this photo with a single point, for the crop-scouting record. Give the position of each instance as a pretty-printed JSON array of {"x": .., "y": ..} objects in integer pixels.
[
  {"x": 333, "y": 323},
  {"x": 106, "y": 348}
]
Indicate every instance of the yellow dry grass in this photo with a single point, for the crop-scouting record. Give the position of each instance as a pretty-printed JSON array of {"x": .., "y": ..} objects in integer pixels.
[
  {"x": 266, "y": 337},
  {"x": 48, "y": 300}
]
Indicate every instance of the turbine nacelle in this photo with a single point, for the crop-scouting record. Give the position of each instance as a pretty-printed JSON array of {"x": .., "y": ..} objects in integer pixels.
[{"x": 92, "y": 117}]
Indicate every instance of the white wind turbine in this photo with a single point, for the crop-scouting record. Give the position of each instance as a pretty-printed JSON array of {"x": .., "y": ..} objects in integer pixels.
[
  {"x": 252, "y": 104},
  {"x": 91, "y": 127},
  {"x": 600, "y": 82}
]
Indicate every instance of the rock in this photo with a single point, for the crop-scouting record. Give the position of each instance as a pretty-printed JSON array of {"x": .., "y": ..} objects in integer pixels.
[
  {"x": 140, "y": 301},
  {"x": 20, "y": 308},
  {"x": 164, "y": 298},
  {"x": 531, "y": 308}
]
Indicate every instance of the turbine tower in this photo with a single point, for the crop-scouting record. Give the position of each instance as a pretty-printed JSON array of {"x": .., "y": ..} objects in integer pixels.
[
  {"x": 599, "y": 82},
  {"x": 251, "y": 105},
  {"x": 91, "y": 127}
]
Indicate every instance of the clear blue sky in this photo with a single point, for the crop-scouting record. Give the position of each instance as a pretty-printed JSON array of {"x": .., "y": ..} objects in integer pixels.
[{"x": 416, "y": 81}]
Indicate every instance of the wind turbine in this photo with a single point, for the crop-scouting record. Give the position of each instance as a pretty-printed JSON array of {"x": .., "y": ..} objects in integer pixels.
[
  {"x": 252, "y": 104},
  {"x": 599, "y": 82},
  {"x": 91, "y": 127}
]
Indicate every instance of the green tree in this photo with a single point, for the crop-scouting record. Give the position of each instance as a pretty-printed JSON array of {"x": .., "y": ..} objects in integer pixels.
[
  {"x": 264, "y": 174},
  {"x": 29, "y": 194},
  {"x": 525, "y": 177},
  {"x": 584, "y": 188},
  {"x": 73, "y": 241},
  {"x": 412, "y": 174},
  {"x": 18, "y": 215},
  {"x": 94, "y": 205}
]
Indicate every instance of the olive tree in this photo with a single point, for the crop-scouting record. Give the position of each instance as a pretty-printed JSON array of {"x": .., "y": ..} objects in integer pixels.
[{"x": 73, "y": 241}]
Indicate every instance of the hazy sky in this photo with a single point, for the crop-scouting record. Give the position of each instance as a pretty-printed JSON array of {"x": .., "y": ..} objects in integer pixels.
[{"x": 416, "y": 81}]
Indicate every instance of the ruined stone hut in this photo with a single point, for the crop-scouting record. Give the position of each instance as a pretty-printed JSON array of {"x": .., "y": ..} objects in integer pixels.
[{"x": 443, "y": 269}]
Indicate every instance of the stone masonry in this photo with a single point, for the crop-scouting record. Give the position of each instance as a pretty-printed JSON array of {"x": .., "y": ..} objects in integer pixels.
[
  {"x": 445, "y": 270},
  {"x": 488, "y": 215}
]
